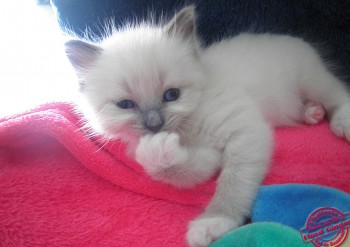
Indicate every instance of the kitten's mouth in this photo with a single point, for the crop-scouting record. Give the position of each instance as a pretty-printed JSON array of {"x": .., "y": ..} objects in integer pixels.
[{"x": 147, "y": 131}]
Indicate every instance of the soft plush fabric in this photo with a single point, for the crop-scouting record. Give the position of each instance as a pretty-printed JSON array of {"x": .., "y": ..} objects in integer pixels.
[
  {"x": 262, "y": 235},
  {"x": 292, "y": 204},
  {"x": 280, "y": 212},
  {"x": 323, "y": 23},
  {"x": 60, "y": 188},
  {"x": 265, "y": 234}
]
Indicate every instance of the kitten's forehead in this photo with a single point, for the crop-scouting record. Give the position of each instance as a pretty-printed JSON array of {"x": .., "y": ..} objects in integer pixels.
[
  {"x": 144, "y": 87},
  {"x": 145, "y": 49},
  {"x": 144, "y": 60}
]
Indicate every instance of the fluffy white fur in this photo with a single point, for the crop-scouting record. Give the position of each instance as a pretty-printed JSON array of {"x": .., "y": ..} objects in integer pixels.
[{"x": 231, "y": 94}]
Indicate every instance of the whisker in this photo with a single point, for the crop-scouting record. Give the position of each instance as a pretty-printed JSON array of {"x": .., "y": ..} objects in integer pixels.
[{"x": 103, "y": 145}]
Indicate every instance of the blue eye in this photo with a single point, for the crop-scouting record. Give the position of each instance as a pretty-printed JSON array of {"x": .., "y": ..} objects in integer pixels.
[
  {"x": 126, "y": 104},
  {"x": 171, "y": 94}
]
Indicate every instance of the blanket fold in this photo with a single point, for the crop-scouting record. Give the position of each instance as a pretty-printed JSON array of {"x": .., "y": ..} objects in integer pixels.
[{"x": 61, "y": 122}]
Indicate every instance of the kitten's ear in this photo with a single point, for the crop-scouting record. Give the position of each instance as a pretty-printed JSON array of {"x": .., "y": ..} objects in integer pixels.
[
  {"x": 183, "y": 24},
  {"x": 82, "y": 55}
]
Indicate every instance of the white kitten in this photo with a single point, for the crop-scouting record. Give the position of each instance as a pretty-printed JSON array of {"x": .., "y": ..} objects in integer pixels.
[{"x": 187, "y": 112}]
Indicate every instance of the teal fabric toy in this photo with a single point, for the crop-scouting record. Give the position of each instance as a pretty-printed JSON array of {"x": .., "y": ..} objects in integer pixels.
[
  {"x": 262, "y": 234},
  {"x": 280, "y": 211}
]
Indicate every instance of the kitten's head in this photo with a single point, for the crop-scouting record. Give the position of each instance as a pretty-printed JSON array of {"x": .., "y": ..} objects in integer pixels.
[{"x": 142, "y": 79}]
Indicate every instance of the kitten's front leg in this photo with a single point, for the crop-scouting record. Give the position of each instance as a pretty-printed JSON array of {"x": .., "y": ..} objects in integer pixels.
[
  {"x": 245, "y": 164},
  {"x": 165, "y": 159}
]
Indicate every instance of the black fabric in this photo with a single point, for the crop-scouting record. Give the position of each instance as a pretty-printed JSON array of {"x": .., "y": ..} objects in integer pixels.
[{"x": 324, "y": 23}]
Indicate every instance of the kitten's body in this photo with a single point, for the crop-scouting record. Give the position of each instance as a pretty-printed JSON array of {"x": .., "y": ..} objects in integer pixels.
[
  {"x": 231, "y": 94},
  {"x": 280, "y": 73}
]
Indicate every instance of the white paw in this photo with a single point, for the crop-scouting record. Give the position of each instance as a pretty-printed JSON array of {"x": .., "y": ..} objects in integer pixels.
[
  {"x": 159, "y": 152},
  {"x": 203, "y": 231},
  {"x": 340, "y": 122},
  {"x": 313, "y": 113}
]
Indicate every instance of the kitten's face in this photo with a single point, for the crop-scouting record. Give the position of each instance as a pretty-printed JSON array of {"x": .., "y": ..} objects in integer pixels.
[{"x": 141, "y": 80}]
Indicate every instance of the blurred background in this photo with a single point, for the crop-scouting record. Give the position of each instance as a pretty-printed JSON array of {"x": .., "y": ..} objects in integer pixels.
[{"x": 33, "y": 66}]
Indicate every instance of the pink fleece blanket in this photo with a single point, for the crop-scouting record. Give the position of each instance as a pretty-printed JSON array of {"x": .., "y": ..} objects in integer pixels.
[{"x": 60, "y": 188}]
